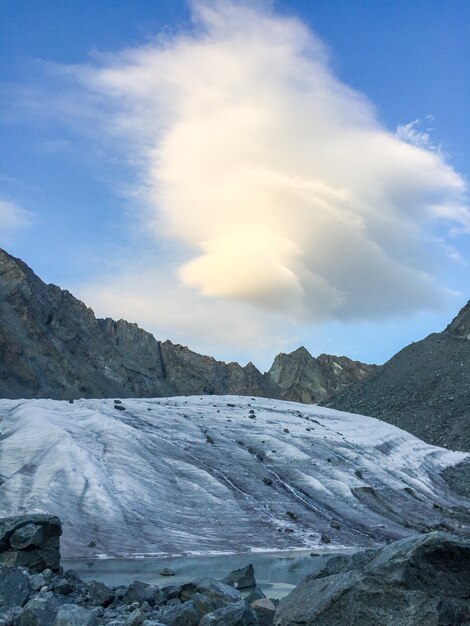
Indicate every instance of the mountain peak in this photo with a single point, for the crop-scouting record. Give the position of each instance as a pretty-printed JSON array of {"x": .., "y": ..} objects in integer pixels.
[{"x": 460, "y": 325}]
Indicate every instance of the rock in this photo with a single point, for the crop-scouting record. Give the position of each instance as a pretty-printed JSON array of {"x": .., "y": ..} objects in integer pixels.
[
  {"x": 31, "y": 541},
  {"x": 41, "y": 610},
  {"x": 184, "y": 614},
  {"x": 100, "y": 594},
  {"x": 63, "y": 587},
  {"x": 334, "y": 524},
  {"x": 166, "y": 571},
  {"x": 136, "y": 618},
  {"x": 28, "y": 536},
  {"x": 264, "y": 610},
  {"x": 267, "y": 481},
  {"x": 238, "y": 614},
  {"x": 73, "y": 615},
  {"x": 325, "y": 538},
  {"x": 142, "y": 592},
  {"x": 424, "y": 374},
  {"x": 205, "y": 605},
  {"x": 421, "y": 581},
  {"x": 213, "y": 589},
  {"x": 15, "y": 588},
  {"x": 256, "y": 594},
  {"x": 243, "y": 578}
]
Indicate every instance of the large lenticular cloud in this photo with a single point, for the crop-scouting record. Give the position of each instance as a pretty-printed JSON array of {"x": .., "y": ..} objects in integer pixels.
[{"x": 278, "y": 179}]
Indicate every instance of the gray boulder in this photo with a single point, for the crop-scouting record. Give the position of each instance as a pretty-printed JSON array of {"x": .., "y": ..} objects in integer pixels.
[
  {"x": 73, "y": 615},
  {"x": 31, "y": 541},
  {"x": 238, "y": 614},
  {"x": 41, "y": 610},
  {"x": 15, "y": 588},
  {"x": 264, "y": 610},
  {"x": 213, "y": 589},
  {"x": 99, "y": 594},
  {"x": 142, "y": 592},
  {"x": 421, "y": 581},
  {"x": 184, "y": 614},
  {"x": 205, "y": 605},
  {"x": 242, "y": 578}
]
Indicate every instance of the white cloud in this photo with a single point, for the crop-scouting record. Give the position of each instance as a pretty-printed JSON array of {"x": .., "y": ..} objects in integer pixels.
[
  {"x": 413, "y": 134},
  {"x": 13, "y": 217},
  {"x": 276, "y": 178}
]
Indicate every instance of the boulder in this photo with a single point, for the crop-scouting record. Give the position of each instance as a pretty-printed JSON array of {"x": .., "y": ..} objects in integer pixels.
[
  {"x": 73, "y": 615},
  {"x": 166, "y": 571},
  {"x": 99, "y": 594},
  {"x": 213, "y": 589},
  {"x": 142, "y": 592},
  {"x": 185, "y": 614},
  {"x": 31, "y": 541},
  {"x": 15, "y": 588},
  {"x": 238, "y": 614},
  {"x": 264, "y": 610},
  {"x": 242, "y": 578},
  {"x": 41, "y": 610},
  {"x": 420, "y": 581}
]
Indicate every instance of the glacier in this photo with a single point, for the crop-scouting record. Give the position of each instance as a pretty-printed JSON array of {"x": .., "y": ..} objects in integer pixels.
[{"x": 219, "y": 474}]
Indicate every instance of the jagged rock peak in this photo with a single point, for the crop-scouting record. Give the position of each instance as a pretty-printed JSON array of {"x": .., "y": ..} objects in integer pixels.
[{"x": 460, "y": 325}]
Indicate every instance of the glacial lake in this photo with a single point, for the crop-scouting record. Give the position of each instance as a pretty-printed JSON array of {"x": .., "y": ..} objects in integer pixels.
[{"x": 277, "y": 573}]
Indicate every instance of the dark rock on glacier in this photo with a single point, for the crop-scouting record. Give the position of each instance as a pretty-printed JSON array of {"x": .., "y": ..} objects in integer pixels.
[
  {"x": 242, "y": 578},
  {"x": 422, "y": 581},
  {"x": 52, "y": 346},
  {"x": 31, "y": 541},
  {"x": 424, "y": 389}
]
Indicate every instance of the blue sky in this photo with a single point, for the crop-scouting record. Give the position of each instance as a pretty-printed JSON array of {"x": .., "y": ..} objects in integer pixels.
[{"x": 77, "y": 189}]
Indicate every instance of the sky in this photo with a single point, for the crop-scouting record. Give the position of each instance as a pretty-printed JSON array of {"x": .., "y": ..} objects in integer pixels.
[{"x": 243, "y": 178}]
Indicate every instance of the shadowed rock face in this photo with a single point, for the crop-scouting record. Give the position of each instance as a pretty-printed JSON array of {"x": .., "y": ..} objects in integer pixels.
[
  {"x": 30, "y": 541},
  {"x": 300, "y": 377},
  {"x": 424, "y": 389},
  {"x": 423, "y": 581},
  {"x": 52, "y": 346}
]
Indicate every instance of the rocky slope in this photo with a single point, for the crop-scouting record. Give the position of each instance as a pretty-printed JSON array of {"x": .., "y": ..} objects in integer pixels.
[
  {"x": 220, "y": 473},
  {"x": 424, "y": 389},
  {"x": 52, "y": 346}
]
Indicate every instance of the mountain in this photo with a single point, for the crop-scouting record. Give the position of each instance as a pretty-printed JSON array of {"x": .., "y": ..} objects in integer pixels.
[
  {"x": 300, "y": 377},
  {"x": 53, "y": 346},
  {"x": 220, "y": 473},
  {"x": 424, "y": 389}
]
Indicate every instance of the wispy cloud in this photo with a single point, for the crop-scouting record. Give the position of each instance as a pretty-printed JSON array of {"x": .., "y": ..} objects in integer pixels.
[{"x": 13, "y": 218}]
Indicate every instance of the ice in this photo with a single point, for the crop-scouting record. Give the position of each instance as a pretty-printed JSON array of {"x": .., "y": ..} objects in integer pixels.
[{"x": 180, "y": 478}]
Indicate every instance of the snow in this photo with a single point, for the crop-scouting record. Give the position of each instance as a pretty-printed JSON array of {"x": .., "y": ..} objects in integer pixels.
[{"x": 185, "y": 475}]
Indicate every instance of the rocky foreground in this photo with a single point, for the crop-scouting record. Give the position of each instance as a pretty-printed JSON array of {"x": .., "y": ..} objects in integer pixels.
[{"x": 420, "y": 581}]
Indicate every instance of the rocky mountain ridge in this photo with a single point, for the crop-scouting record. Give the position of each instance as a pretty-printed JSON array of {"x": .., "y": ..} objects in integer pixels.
[
  {"x": 53, "y": 346},
  {"x": 424, "y": 388}
]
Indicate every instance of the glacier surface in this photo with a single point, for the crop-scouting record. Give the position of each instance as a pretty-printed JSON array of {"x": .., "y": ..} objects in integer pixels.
[{"x": 192, "y": 475}]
